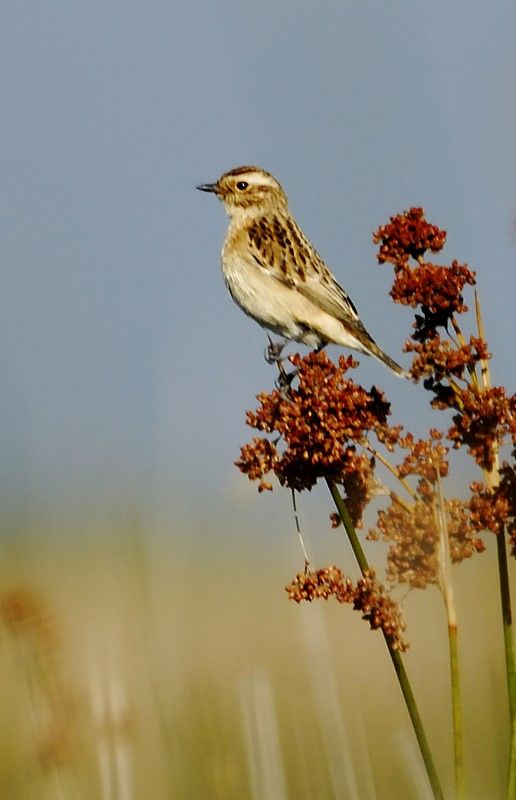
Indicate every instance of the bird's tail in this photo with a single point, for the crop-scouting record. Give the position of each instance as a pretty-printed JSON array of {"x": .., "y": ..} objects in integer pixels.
[
  {"x": 368, "y": 345},
  {"x": 373, "y": 350}
]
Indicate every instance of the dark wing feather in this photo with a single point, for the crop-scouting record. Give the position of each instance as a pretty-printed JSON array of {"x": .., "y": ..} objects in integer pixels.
[{"x": 280, "y": 248}]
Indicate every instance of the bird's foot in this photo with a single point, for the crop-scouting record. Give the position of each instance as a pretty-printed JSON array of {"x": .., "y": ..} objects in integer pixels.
[
  {"x": 274, "y": 355},
  {"x": 285, "y": 380},
  {"x": 273, "y": 351}
]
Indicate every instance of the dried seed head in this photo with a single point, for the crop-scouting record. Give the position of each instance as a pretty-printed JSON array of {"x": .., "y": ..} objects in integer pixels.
[
  {"x": 317, "y": 426},
  {"x": 407, "y": 235},
  {"x": 369, "y": 597}
]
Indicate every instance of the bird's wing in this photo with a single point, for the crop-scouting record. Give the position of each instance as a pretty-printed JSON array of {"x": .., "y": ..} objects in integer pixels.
[{"x": 280, "y": 248}]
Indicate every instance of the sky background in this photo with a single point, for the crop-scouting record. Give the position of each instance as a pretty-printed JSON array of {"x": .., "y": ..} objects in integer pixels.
[{"x": 126, "y": 369}]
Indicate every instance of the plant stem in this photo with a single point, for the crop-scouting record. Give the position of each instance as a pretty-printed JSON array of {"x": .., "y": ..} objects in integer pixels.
[
  {"x": 492, "y": 479},
  {"x": 505, "y": 598},
  {"x": 484, "y": 367},
  {"x": 394, "y": 470},
  {"x": 446, "y": 585},
  {"x": 350, "y": 528},
  {"x": 395, "y": 655},
  {"x": 458, "y": 749},
  {"x": 462, "y": 343},
  {"x": 511, "y": 778}
]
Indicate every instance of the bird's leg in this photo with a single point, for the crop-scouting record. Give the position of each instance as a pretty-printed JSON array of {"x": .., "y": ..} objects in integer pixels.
[
  {"x": 274, "y": 350},
  {"x": 285, "y": 379},
  {"x": 273, "y": 355}
]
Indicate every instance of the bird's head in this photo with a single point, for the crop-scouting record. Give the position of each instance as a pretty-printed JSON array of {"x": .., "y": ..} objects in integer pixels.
[{"x": 248, "y": 191}]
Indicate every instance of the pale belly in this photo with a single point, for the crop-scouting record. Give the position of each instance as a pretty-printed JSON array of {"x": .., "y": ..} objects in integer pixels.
[{"x": 282, "y": 309}]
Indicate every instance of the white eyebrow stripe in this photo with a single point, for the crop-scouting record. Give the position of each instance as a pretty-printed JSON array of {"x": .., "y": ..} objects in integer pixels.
[{"x": 255, "y": 176}]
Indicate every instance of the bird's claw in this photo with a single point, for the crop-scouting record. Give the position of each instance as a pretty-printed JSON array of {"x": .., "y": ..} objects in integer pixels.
[
  {"x": 273, "y": 352},
  {"x": 285, "y": 379}
]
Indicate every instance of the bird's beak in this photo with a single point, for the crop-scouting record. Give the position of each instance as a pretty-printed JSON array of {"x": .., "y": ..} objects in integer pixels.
[{"x": 208, "y": 187}]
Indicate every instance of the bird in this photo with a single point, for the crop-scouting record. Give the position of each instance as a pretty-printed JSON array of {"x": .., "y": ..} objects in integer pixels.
[{"x": 274, "y": 273}]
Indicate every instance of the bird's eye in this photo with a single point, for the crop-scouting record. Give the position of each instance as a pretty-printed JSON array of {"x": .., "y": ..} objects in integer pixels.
[{"x": 241, "y": 185}]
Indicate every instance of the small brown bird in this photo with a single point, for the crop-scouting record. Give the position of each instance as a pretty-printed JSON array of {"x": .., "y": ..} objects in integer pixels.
[{"x": 274, "y": 273}]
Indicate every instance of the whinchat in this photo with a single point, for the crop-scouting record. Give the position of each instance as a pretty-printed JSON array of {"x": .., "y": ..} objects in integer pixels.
[{"x": 275, "y": 274}]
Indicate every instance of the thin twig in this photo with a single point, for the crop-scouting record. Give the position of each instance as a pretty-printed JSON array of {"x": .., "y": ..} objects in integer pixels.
[
  {"x": 394, "y": 470},
  {"x": 298, "y": 529},
  {"x": 484, "y": 368},
  {"x": 407, "y": 506},
  {"x": 462, "y": 342}
]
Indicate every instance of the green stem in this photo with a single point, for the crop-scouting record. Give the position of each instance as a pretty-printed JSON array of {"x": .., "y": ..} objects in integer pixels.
[
  {"x": 505, "y": 598},
  {"x": 395, "y": 655},
  {"x": 350, "y": 528},
  {"x": 511, "y": 779},
  {"x": 492, "y": 478},
  {"x": 446, "y": 585},
  {"x": 458, "y": 750}
]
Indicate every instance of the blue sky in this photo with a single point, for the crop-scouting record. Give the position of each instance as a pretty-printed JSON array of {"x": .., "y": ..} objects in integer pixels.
[{"x": 126, "y": 369}]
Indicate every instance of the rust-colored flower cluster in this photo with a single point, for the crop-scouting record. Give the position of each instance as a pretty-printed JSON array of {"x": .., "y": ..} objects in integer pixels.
[
  {"x": 313, "y": 584},
  {"x": 317, "y": 425},
  {"x": 413, "y": 534},
  {"x": 438, "y": 358},
  {"x": 408, "y": 235},
  {"x": 412, "y": 527},
  {"x": 493, "y": 508},
  {"x": 368, "y": 596},
  {"x": 489, "y": 508},
  {"x": 426, "y": 458},
  {"x": 258, "y": 458},
  {"x": 485, "y": 419},
  {"x": 413, "y": 537},
  {"x": 435, "y": 289},
  {"x": 464, "y": 541}
]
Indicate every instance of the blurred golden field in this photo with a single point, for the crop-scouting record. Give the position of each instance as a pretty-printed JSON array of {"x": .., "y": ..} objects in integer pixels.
[{"x": 169, "y": 664}]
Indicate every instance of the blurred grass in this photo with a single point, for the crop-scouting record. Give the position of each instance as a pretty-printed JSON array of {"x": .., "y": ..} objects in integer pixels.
[{"x": 132, "y": 666}]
